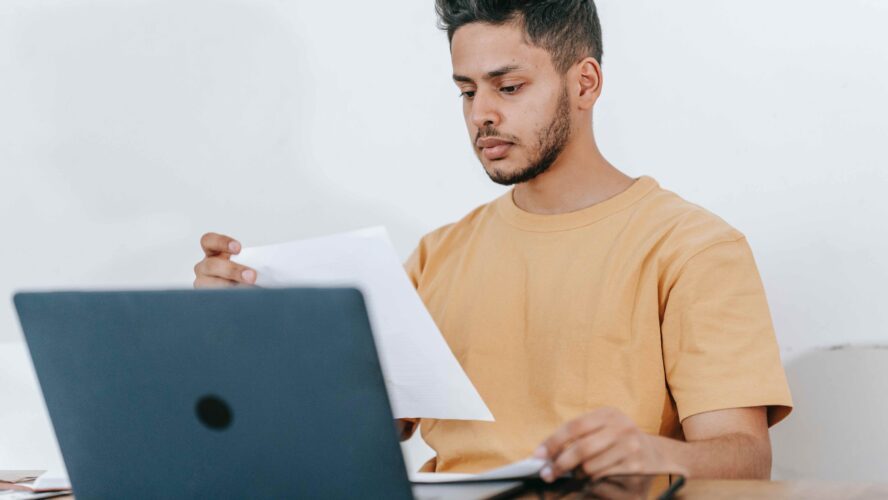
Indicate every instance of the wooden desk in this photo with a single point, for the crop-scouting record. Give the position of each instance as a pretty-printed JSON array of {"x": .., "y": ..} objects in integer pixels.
[
  {"x": 772, "y": 490},
  {"x": 780, "y": 490}
]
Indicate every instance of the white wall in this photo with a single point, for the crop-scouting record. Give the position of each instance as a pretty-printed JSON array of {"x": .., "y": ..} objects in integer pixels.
[{"x": 129, "y": 128}]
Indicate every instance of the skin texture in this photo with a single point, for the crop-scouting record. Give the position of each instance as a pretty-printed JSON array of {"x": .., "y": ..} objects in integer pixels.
[{"x": 512, "y": 92}]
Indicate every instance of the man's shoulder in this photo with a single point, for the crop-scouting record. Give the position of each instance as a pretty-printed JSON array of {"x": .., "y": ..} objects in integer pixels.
[
  {"x": 683, "y": 230},
  {"x": 453, "y": 233},
  {"x": 445, "y": 243},
  {"x": 683, "y": 222}
]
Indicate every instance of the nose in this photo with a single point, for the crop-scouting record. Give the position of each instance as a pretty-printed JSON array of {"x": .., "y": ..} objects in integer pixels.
[{"x": 484, "y": 112}]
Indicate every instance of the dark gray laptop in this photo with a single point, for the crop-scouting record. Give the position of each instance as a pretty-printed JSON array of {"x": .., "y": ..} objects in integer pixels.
[{"x": 242, "y": 393}]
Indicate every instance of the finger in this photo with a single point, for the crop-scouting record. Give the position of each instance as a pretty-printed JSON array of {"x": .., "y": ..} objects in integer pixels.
[
  {"x": 568, "y": 432},
  {"x": 216, "y": 244},
  {"x": 586, "y": 448},
  {"x": 211, "y": 282},
  {"x": 633, "y": 467},
  {"x": 594, "y": 466},
  {"x": 616, "y": 470},
  {"x": 218, "y": 267},
  {"x": 626, "y": 467}
]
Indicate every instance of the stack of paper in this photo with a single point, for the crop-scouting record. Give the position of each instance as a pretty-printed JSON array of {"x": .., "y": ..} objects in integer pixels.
[
  {"x": 524, "y": 469},
  {"x": 31, "y": 485},
  {"x": 422, "y": 376}
]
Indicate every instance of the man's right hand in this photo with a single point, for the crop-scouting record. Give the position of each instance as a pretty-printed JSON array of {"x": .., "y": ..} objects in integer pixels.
[{"x": 216, "y": 269}]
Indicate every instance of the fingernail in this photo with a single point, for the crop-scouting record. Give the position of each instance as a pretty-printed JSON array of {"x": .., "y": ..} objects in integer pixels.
[
  {"x": 546, "y": 473},
  {"x": 249, "y": 275},
  {"x": 541, "y": 452},
  {"x": 234, "y": 247}
]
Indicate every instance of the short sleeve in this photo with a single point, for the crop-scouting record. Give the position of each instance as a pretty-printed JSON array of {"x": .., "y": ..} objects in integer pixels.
[
  {"x": 416, "y": 263},
  {"x": 719, "y": 346},
  {"x": 413, "y": 267}
]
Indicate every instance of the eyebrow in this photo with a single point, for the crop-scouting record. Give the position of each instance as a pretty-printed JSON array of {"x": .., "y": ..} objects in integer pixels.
[{"x": 490, "y": 74}]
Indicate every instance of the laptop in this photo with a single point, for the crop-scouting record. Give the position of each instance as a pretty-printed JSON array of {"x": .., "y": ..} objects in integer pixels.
[
  {"x": 239, "y": 393},
  {"x": 236, "y": 393}
]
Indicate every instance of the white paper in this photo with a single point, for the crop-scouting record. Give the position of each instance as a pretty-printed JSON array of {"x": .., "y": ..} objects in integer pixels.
[
  {"x": 52, "y": 482},
  {"x": 461, "y": 491},
  {"x": 40, "y": 483},
  {"x": 422, "y": 376},
  {"x": 529, "y": 467}
]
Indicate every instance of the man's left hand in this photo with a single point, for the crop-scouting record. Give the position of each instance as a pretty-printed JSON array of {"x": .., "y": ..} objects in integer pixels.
[{"x": 601, "y": 443}]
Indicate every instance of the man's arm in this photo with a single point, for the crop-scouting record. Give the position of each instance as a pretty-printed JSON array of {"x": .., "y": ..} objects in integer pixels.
[
  {"x": 731, "y": 443},
  {"x": 725, "y": 444}
]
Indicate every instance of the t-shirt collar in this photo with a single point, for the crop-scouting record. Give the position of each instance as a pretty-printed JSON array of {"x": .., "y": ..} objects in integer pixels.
[{"x": 517, "y": 217}]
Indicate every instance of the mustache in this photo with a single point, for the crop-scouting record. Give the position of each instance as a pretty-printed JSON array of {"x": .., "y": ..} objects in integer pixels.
[{"x": 489, "y": 131}]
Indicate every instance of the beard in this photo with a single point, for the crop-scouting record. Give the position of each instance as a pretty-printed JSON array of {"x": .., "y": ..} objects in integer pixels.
[{"x": 552, "y": 139}]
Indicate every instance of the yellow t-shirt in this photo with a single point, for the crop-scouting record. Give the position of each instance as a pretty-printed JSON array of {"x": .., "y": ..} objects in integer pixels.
[{"x": 643, "y": 302}]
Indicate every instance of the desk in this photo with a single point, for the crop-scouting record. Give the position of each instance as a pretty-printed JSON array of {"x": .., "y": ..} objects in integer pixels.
[
  {"x": 701, "y": 489},
  {"x": 781, "y": 490}
]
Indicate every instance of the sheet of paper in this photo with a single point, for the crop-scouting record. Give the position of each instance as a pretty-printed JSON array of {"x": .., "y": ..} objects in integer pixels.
[
  {"x": 461, "y": 491},
  {"x": 30, "y": 484},
  {"x": 18, "y": 476},
  {"x": 30, "y": 495},
  {"x": 422, "y": 376},
  {"x": 52, "y": 482},
  {"x": 525, "y": 468}
]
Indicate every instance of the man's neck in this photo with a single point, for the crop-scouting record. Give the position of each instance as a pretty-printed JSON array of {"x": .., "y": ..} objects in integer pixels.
[{"x": 579, "y": 178}]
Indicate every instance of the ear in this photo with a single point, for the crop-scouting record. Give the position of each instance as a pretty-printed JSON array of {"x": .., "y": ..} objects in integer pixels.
[{"x": 589, "y": 81}]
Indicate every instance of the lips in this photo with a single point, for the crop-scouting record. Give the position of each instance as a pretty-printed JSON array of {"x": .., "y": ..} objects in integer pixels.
[{"x": 493, "y": 148}]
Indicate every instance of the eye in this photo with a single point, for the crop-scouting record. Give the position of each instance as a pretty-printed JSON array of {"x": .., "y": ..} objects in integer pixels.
[
  {"x": 468, "y": 94},
  {"x": 511, "y": 89}
]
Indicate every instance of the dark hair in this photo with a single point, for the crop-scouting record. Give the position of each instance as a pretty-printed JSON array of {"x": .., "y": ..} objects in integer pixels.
[{"x": 568, "y": 29}]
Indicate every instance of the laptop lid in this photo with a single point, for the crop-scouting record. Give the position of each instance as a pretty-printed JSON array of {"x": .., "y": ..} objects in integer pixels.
[{"x": 259, "y": 393}]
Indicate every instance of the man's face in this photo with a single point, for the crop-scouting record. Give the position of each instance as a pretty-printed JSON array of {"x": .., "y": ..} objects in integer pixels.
[{"x": 515, "y": 103}]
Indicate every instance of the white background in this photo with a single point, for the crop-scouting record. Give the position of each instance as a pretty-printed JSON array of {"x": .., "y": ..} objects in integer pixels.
[{"x": 127, "y": 129}]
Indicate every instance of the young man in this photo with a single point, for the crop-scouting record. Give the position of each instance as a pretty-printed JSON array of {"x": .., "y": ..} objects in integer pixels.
[{"x": 610, "y": 325}]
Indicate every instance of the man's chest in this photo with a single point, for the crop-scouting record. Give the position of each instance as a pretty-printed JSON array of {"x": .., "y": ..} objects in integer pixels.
[
  {"x": 557, "y": 336},
  {"x": 544, "y": 295}
]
